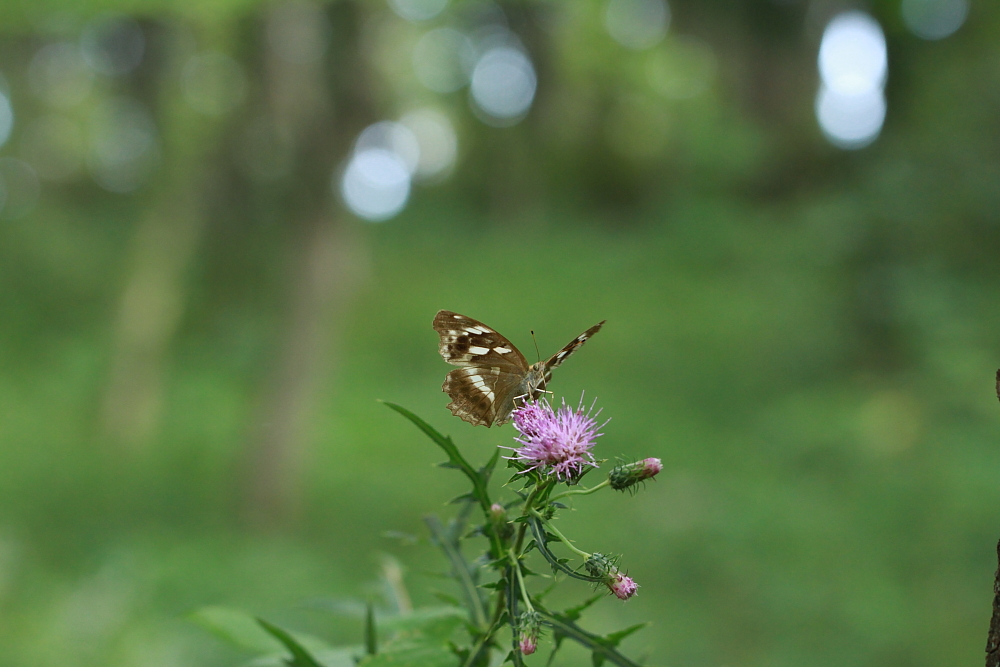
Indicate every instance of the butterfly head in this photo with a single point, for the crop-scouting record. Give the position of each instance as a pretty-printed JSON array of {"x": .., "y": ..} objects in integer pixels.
[{"x": 533, "y": 385}]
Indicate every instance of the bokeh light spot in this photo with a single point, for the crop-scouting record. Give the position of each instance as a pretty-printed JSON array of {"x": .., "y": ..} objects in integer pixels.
[
  {"x": 393, "y": 137},
  {"x": 213, "y": 83},
  {"x": 850, "y": 104},
  {"x": 934, "y": 19},
  {"x": 112, "y": 44},
  {"x": 850, "y": 121},
  {"x": 59, "y": 76},
  {"x": 376, "y": 184},
  {"x": 418, "y": 10},
  {"x": 437, "y": 140},
  {"x": 852, "y": 54},
  {"x": 503, "y": 85},
  {"x": 442, "y": 59},
  {"x": 637, "y": 24},
  {"x": 123, "y": 145}
]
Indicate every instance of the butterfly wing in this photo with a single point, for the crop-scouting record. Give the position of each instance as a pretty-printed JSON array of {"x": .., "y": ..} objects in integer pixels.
[
  {"x": 556, "y": 359},
  {"x": 491, "y": 373}
]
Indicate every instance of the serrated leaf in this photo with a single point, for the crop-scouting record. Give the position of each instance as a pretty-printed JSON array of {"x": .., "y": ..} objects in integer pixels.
[
  {"x": 464, "y": 498},
  {"x": 573, "y": 613},
  {"x": 454, "y": 456},
  {"x": 615, "y": 638},
  {"x": 596, "y": 644}
]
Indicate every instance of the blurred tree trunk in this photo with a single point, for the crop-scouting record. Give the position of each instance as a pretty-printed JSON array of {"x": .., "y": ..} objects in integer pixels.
[
  {"x": 166, "y": 237},
  {"x": 329, "y": 252}
]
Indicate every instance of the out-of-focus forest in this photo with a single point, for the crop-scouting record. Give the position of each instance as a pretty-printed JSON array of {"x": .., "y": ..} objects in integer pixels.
[{"x": 227, "y": 225}]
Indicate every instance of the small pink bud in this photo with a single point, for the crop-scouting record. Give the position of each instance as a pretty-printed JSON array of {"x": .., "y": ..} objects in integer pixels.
[
  {"x": 622, "y": 586},
  {"x": 650, "y": 468},
  {"x": 528, "y": 626},
  {"x": 627, "y": 475}
]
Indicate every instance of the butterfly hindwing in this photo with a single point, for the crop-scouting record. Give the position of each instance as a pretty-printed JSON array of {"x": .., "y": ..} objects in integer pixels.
[{"x": 492, "y": 369}]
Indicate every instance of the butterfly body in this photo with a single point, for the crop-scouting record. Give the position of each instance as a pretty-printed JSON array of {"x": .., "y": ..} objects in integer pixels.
[{"x": 493, "y": 375}]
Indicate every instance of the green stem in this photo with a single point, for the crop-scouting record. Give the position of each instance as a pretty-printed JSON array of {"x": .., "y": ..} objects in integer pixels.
[
  {"x": 520, "y": 581},
  {"x": 540, "y": 488},
  {"x": 563, "y": 538},
  {"x": 581, "y": 492}
]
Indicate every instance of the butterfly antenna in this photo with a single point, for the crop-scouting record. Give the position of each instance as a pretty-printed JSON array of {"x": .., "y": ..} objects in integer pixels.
[{"x": 538, "y": 355}]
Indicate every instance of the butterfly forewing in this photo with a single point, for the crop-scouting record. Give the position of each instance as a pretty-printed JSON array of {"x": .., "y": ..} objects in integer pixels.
[
  {"x": 493, "y": 373},
  {"x": 571, "y": 347}
]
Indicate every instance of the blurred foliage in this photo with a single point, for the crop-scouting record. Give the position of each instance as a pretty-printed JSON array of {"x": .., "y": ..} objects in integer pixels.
[{"x": 806, "y": 336}]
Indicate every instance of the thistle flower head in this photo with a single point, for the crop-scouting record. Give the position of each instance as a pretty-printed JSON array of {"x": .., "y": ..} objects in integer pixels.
[{"x": 555, "y": 442}]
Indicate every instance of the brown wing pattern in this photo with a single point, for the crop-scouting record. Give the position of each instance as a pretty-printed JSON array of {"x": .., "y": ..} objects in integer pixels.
[
  {"x": 570, "y": 348},
  {"x": 491, "y": 369}
]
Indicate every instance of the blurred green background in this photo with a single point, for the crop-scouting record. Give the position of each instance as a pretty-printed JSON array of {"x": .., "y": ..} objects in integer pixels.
[{"x": 210, "y": 270}]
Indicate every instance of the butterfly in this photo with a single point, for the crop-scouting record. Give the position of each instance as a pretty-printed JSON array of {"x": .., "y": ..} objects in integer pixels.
[{"x": 494, "y": 375}]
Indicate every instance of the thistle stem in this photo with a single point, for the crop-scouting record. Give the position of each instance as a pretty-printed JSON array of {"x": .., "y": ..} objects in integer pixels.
[
  {"x": 529, "y": 509},
  {"x": 581, "y": 492},
  {"x": 563, "y": 538},
  {"x": 520, "y": 582}
]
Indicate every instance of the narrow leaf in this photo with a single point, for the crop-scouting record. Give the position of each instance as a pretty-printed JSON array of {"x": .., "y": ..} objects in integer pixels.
[
  {"x": 454, "y": 456},
  {"x": 371, "y": 639},
  {"x": 466, "y": 576},
  {"x": 300, "y": 656}
]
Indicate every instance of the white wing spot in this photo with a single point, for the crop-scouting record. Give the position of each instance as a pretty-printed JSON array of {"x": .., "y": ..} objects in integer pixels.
[
  {"x": 479, "y": 350},
  {"x": 457, "y": 317},
  {"x": 477, "y": 330},
  {"x": 489, "y": 395},
  {"x": 501, "y": 350}
]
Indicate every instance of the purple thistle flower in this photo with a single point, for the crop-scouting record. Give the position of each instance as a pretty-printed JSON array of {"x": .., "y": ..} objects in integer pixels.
[{"x": 555, "y": 442}]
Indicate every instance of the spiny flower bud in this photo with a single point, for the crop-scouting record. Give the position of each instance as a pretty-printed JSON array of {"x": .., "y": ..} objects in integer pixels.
[
  {"x": 528, "y": 626},
  {"x": 498, "y": 517},
  {"x": 599, "y": 565},
  {"x": 621, "y": 585},
  {"x": 628, "y": 475}
]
